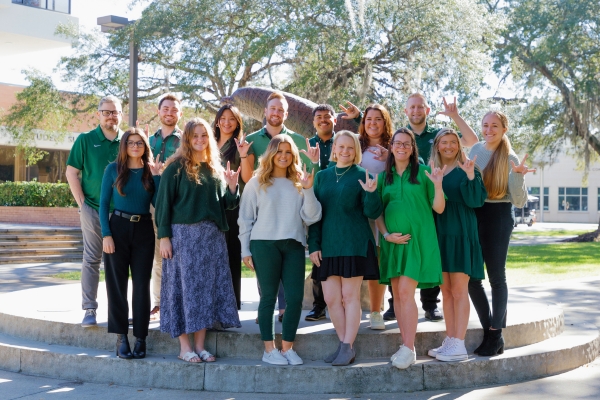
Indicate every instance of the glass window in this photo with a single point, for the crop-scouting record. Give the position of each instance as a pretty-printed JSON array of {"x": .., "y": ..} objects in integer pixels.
[
  {"x": 572, "y": 199},
  {"x": 547, "y": 198},
  {"x": 534, "y": 191}
]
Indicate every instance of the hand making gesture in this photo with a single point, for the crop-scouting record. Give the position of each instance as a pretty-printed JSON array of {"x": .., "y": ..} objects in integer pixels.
[
  {"x": 370, "y": 185},
  {"x": 242, "y": 146},
  {"x": 231, "y": 177},
  {"x": 351, "y": 111},
  {"x": 147, "y": 130},
  {"x": 437, "y": 175},
  {"x": 306, "y": 179},
  {"x": 313, "y": 153},
  {"x": 450, "y": 110},
  {"x": 522, "y": 168},
  {"x": 380, "y": 152},
  {"x": 156, "y": 166},
  {"x": 468, "y": 166}
]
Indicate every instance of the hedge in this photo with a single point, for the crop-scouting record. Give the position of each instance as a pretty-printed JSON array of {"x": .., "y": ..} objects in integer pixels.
[{"x": 36, "y": 194}]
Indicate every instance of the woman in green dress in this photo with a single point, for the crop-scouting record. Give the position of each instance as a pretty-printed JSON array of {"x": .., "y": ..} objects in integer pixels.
[
  {"x": 410, "y": 255},
  {"x": 458, "y": 238}
]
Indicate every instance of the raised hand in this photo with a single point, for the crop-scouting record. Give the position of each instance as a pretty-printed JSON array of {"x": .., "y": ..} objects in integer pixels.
[
  {"x": 437, "y": 175},
  {"x": 398, "y": 238},
  {"x": 306, "y": 179},
  {"x": 450, "y": 109},
  {"x": 156, "y": 166},
  {"x": 381, "y": 152},
  {"x": 351, "y": 111},
  {"x": 231, "y": 177},
  {"x": 468, "y": 166},
  {"x": 370, "y": 185},
  {"x": 313, "y": 153},
  {"x": 147, "y": 130},
  {"x": 242, "y": 146},
  {"x": 522, "y": 168},
  {"x": 315, "y": 257}
]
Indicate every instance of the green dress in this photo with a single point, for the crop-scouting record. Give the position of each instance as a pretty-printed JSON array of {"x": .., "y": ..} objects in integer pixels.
[
  {"x": 457, "y": 225},
  {"x": 407, "y": 209}
]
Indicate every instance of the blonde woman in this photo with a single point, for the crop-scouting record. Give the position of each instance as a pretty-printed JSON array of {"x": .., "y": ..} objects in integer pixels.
[
  {"x": 196, "y": 288},
  {"x": 342, "y": 245},
  {"x": 458, "y": 240},
  {"x": 504, "y": 179},
  {"x": 277, "y": 206}
]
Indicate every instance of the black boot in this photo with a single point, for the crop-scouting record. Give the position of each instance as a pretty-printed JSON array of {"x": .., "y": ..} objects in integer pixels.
[
  {"x": 483, "y": 344},
  {"x": 494, "y": 344},
  {"x": 123, "y": 349},
  {"x": 390, "y": 315},
  {"x": 139, "y": 349}
]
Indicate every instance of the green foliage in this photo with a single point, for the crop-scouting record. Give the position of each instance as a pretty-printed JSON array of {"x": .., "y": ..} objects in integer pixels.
[{"x": 36, "y": 194}]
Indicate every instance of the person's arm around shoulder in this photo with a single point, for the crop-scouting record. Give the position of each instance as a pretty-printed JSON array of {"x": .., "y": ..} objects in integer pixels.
[
  {"x": 106, "y": 192},
  {"x": 469, "y": 137}
]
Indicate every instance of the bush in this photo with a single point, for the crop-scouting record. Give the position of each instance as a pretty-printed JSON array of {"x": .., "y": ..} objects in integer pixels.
[{"x": 36, "y": 194}]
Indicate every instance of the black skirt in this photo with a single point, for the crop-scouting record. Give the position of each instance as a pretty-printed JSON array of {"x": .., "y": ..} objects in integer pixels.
[{"x": 349, "y": 266}]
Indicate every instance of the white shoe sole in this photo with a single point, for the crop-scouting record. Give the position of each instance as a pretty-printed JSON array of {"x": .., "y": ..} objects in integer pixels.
[
  {"x": 402, "y": 365},
  {"x": 453, "y": 357},
  {"x": 275, "y": 362},
  {"x": 432, "y": 353},
  {"x": 378, "y": 327}
]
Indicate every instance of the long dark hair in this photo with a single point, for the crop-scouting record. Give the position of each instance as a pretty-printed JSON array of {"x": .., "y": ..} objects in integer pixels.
[
  {"x": 122, "y": 168},
  {"x": 386, "y": 136},
  {"x": 229, "y": 154},
  {"x": 413, "y": 162}
]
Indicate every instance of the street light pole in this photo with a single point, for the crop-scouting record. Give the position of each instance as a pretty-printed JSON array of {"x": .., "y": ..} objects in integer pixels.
[{"x": 111, "y": 23}]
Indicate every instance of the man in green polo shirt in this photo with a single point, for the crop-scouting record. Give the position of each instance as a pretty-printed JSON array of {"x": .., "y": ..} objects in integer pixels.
[
  {"x": 163, "y": 143},
  {"x": 90, "y": 154}
]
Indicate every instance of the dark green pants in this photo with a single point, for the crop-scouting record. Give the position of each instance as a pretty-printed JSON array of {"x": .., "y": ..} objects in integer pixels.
[{"x": 274, "y": 261}]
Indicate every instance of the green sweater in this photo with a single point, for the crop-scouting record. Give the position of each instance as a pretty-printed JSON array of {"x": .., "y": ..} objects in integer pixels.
[
  {"x": 181, "y": 201},
  {"x": 344, "y": 228}
]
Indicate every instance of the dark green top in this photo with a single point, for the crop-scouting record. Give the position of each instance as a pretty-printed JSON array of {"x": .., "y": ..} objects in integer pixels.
[
  {"x": 165, "y": 147},
  {"x": 233, "y": 165},
  {"x": 344, "y": 228},
  {"x": 90, "y": 154},
  {"x": 136, "y": 200},
  {"x": 325, "y": 147},
  {"x": 425, "y": 141},
  {"x": 181, "y": 201},
  {"x": 260, "y": 140},
  {"x": 457, "y": 226}
]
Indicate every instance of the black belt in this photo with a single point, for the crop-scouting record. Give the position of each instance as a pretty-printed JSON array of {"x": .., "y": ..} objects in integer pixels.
[{"x": 133, "y": 218}]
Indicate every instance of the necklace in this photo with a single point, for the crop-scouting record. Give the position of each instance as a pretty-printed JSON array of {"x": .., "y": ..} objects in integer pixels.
[{"x": 339, "y": 176}]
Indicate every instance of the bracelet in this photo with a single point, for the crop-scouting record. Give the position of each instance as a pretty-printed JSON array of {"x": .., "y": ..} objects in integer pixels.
[
  {"x": 386, "y": 235},
  {"x": 244, "y": 157}
]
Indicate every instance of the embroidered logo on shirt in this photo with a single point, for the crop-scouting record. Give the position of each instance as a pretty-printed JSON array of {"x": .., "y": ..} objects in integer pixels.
[{"x": 97, "y": 145}]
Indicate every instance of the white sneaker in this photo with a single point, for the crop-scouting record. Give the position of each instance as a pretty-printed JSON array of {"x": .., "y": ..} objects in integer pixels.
[
  {"x": 445, "y": 343},
  {"x": 455, "y": 351},
  {"x": 377, "y": 321},
  {"x": 274, "y": 357},
  {"x": 404, "y": 358},
  {"x": 292, "y": 357}
]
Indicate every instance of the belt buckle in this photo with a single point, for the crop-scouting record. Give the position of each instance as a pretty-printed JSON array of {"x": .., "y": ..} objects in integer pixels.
[{"x": 135, "y": 218}]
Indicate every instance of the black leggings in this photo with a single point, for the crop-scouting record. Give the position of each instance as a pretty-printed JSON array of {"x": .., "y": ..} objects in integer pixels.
[
  {"x": 234, "y": 249},
  {"x": 495, "y": 224}
]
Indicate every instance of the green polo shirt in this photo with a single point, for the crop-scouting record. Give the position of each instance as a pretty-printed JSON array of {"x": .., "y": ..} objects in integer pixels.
[
  {"x": 259, "y": 141},
  {"x": 165, "y": 147},
  {"x": 90, "y": 154},
  {"x": 425, "y": 141},
  {"x": 325, "y": 147}
]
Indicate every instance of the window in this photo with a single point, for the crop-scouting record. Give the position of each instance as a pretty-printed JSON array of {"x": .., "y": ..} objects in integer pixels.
[
  {"x": 598, "y": 199},
  {"x": 533, "y": 192},
  {"x": 62, "y": 6},
  {"x": 546, "y": 199},
  {"x": 572, "y": 199}
]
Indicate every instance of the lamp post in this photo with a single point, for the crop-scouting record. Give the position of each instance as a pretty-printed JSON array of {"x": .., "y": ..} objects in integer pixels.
[{"x": 111, "y": 23}]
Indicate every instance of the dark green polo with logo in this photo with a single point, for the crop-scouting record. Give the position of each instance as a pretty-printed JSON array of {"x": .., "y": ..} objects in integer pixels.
[
  {"x": 425, "y": 141},
  {"x": 90, "y": 154},
  {"x": 165, "y": 147},
  {"x": 325, "y": 147}
]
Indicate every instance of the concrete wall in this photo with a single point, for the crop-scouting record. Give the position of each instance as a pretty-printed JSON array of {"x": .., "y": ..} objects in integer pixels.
[{"x": 53, "y": 216}]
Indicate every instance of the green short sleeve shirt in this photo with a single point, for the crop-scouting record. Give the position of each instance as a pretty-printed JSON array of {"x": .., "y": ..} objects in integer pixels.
[
  {"x": 90, "y": 154},
  {"x": 165, "y": 147}
]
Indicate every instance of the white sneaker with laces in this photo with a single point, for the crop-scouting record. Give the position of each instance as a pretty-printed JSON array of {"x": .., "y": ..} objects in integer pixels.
[
  {"x": 404, "y": 358},
  {"x": 274, "y": 357},
  {"x": 292, "y": 357},
  {"x": 445, "y": 343},
  {"x": 377, "y": 321},
  {"x": 456, "y": 351}
]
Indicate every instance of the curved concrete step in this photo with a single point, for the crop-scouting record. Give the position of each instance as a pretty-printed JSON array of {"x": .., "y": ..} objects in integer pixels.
[
  {"x": 41, "y": 244},
  {"x": 39, "y": 237},
  {"x": 48, "y": 258},
  {"x": 41, "y": 251},
  {"x": 576, "y": 346},
  {"x": 51, "y": 230}
]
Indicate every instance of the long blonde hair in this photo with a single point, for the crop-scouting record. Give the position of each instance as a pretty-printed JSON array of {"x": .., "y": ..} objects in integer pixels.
[
  {"x": 436, "y": 156},
  {"x": 495, "y": 173},
  {"x": 185, "y": 153},
  {"x": 265, "y": 169}
]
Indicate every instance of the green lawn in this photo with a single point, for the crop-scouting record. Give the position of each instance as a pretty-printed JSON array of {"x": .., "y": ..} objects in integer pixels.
[{"x": 556, "y": 233}]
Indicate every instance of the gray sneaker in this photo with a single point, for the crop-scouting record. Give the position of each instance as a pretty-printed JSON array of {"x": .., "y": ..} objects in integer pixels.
[
  {"x": 89, "y": 319},
  {"x": 274, "y": 357}
]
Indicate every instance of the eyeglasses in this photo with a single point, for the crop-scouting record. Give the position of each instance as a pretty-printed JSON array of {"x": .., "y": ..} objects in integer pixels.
[
  {"x": 108, "y": 113},
  {"x": 135, "y": 144},
  {"x": 406, "y": 145}
]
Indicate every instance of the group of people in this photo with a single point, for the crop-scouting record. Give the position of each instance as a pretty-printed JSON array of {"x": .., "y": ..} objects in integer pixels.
[{"x": 408, "y": 209}]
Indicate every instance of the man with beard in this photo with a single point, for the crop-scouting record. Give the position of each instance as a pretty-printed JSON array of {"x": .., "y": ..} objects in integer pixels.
[
  {"x": 90, "y": 154},
  {"x": 163, "y": 143}
]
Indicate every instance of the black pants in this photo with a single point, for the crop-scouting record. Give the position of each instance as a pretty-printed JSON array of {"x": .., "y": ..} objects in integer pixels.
[
  {"x": 317, "y": 289},
  {"x": 495, "y": 224},
  {"x": 234, "y": 250},
  {"x": 133, "y": 250},
  {"x": 429, "y": 298}
]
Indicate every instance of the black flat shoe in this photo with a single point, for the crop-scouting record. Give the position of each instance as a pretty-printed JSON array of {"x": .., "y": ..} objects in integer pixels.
[
  {"x": 123, "y": 349},
  {"x": 434, "y": 315},
  {"x": 315, "y": 314},
  {"x": 139, "y": 349}
]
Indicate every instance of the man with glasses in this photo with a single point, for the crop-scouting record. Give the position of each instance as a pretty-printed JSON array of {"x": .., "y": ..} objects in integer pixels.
[
  {"x": 90, "y": 154},
  {"x": 163, "y": 143}
]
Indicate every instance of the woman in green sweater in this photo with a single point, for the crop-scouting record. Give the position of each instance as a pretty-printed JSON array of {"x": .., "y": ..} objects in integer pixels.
[
  {"x": 342, "y": 245},
  {"x": 196, "y": 288},
  {"x": 130, "y": 184}
]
